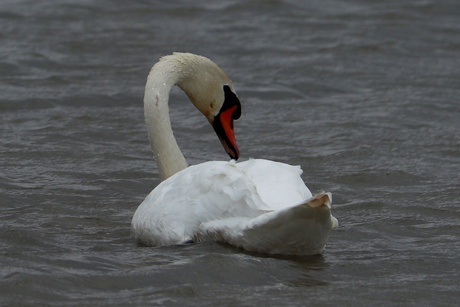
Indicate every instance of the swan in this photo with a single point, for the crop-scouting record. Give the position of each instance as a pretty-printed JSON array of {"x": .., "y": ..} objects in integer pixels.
[{"x": 258, "y": 205}]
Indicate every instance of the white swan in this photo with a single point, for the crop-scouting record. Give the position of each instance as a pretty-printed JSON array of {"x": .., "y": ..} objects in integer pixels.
[{"x": 258, "y": 205}]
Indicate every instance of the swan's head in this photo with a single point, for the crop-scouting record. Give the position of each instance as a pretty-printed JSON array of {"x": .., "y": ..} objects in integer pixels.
[{"x": 212, "y": 92}]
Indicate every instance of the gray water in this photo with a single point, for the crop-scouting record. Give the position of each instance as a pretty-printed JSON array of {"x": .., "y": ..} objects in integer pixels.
[{"x": 364, "y": 95}]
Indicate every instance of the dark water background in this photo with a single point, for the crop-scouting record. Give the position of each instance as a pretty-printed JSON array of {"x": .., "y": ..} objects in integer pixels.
[{"x": 364, "y": 95}]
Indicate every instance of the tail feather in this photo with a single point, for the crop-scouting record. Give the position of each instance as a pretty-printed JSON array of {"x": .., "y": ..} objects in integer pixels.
[{"x": 299, "y": 230}]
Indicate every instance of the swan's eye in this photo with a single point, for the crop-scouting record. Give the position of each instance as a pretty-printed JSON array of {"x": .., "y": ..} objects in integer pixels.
[{"x": 231, "y": 100}]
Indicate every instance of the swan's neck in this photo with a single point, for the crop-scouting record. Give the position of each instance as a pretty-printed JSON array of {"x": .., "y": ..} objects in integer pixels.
[{"x": 169, "y": 158}]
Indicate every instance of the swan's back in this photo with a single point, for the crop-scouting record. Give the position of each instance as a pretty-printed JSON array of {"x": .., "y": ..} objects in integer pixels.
[
  {"x": 212, "y": 191},
  {"x": 279, "y": 185}
]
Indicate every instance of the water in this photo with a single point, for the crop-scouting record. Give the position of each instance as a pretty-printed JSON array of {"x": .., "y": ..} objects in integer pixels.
[{"x": 364, "y": 95}]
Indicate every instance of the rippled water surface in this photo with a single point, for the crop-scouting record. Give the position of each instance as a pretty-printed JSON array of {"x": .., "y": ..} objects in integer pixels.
[{"x": 364, "y": 95}]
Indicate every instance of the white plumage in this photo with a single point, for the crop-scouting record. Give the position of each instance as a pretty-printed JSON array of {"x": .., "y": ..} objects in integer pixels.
[{"x": 258, "y": 205}]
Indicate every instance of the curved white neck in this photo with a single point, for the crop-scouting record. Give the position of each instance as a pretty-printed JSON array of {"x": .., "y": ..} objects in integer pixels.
[
  {"x": 170, "y": 159},
  {"x": 202, "y": 80}
]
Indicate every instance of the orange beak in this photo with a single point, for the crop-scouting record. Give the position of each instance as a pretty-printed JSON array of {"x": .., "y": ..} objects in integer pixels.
[{"x": 223, "y": 126}]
